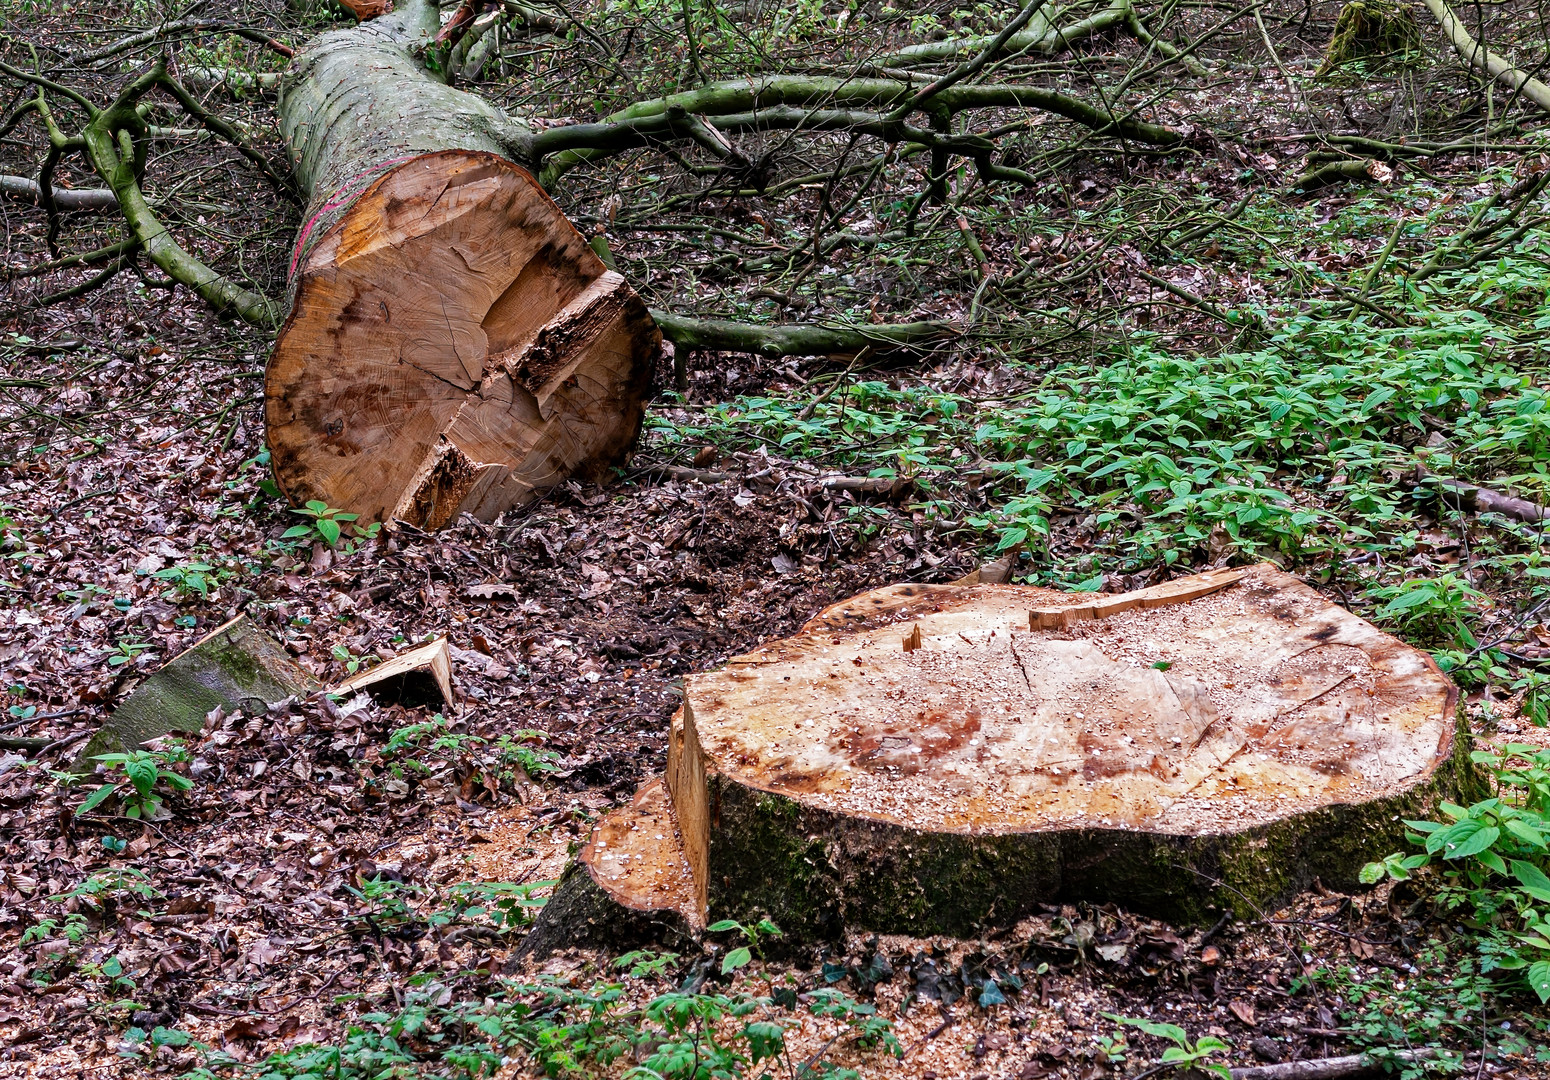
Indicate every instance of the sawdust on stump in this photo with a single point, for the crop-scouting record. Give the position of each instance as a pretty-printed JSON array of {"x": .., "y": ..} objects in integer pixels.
[{"x": 942, "y": 759}]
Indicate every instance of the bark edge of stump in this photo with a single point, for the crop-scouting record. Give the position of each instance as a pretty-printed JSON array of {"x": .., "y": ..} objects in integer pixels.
[{"x": 759, "y": 845}]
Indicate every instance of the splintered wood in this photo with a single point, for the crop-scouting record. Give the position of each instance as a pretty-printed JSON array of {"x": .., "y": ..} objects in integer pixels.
[
  {"x": 940, "y": 758},
  {"x": 637, "y": 854},
  {"x": 454, "y": 346}
]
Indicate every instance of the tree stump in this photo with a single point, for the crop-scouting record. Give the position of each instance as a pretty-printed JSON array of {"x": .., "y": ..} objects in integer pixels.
[
  {"x": 454, "y": 344},
  {"x": 943, "y": 759}
]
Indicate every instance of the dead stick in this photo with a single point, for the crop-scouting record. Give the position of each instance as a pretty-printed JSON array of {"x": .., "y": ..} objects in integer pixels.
[
  {"x": 1325, "y": 1068},
  {"x": 1476, "y": 499}
]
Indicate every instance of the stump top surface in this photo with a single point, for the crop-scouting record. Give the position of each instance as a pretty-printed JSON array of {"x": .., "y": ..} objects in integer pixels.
[{"x": 1203, "y": 706}]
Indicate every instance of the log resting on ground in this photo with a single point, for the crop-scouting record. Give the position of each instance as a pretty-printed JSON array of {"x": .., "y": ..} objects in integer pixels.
[
  {"x": 931, "y": 759},
  {"x": 453, "y": 345}
]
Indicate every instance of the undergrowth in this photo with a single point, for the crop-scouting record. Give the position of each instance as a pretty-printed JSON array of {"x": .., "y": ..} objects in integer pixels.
[
  {"x": 1323, "y": 447},
  {"x": 565, "y": 1025}
]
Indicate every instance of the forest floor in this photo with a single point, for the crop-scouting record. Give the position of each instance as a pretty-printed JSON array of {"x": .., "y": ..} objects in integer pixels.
[{"x": 344, "y": 888}]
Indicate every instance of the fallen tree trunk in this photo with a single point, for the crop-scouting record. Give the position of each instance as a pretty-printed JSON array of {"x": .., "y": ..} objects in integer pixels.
[
  {"x": 453, "y": 344},
  {"x": 1484, "y": 61}
]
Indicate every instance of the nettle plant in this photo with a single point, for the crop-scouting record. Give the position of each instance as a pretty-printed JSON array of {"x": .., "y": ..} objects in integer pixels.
[
  {"x": 1493, "y": 855},
  {"x": 565, "y": 1027},
  {"x": 327, "y": 523},
  {"x": 144, "y": 773}
]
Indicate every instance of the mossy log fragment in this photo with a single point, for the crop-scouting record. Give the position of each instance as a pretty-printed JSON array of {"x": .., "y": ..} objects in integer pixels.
[
  {"x": 943, "y": 759},
  {"x": 235, "y": 667}
]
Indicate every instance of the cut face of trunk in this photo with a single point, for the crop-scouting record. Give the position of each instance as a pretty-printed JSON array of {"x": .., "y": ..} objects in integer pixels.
[
  {"x": 454, "y": 345},
  {"x": 942, "y": 759}
]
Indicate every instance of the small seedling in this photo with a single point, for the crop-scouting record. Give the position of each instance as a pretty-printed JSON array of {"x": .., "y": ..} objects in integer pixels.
[
  {"x": 188, "y": 579},
  {"x": 509, "y": 906},
  {"x": 143, "y": 770},
  {"x": 741, "y": 955},
  {"x": 1184, "y": 1054},
  {"x": 127, "y": 651},
  {"x": 327, "y": 524}
]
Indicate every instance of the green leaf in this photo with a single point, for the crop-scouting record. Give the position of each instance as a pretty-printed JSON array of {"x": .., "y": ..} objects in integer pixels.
[
  {"x": 723, "y": 925},
  {"x": 96, "y": 799},
  {"x": 765, "y": 1040},
  {"x": 1539, "y": 980},
  {"x": 329, "y": 529},
  {"x": 991, "y": 994},
  {"x": 1468, "y": 838},
  {"x": 296, "y": 530},
  {"x": 1164, "y": 1031},
  {"x": 1525, "y": 832},
  {"x": 736, "y": 959},
  {"x": 1494, "y": 861},
  {"x": 1532, "y": 879},
  {"x": 1371, "y": 874}
]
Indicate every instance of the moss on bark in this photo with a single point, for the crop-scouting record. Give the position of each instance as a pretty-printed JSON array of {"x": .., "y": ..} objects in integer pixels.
[
  {"x": 818, "y": 874},
  {"x": 237, "y": 666}
]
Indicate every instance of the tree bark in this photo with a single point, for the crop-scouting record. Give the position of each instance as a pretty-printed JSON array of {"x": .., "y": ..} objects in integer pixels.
[
  {"x": 1482, "y": 60},
  {"x": 454, "y": 345}
]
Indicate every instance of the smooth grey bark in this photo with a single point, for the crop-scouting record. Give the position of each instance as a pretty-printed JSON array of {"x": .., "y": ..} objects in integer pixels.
[
  {"x": 20, "y": 187},
  {"x": 357, "y": 101}
]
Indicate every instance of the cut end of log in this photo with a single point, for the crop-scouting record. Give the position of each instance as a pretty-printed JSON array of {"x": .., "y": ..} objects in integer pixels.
[
  {"x": 1213, "y": 742},
  {"x": 632, "y": 885},
  {"x": 419, "y": 676},
  {"x": 454, "y": 346},
  {"x": 637, "y": 855}
]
